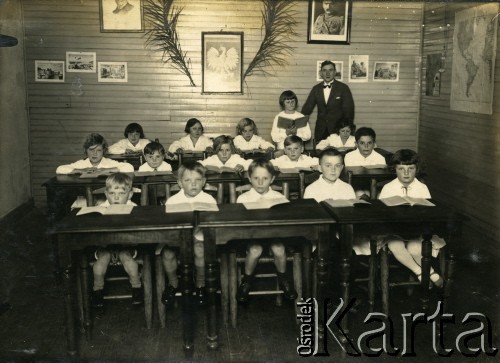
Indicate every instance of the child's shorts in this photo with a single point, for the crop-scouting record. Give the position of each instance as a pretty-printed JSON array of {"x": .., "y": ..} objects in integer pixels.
[{"x": 115, "y": 251}]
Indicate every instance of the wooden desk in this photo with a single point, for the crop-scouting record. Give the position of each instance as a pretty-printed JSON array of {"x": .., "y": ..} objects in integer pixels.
[
  {"x": 145, "y": 225},
  {"x": 373, "y": 175},
  {"x": 303, "y": 218},
  {"x": 383, "y": 219},
  {"x": 135, "y": 159}
]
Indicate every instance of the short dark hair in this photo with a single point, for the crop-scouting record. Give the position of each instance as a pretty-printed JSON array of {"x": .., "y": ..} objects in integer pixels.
[
  {"x": 221, "y": 140},
  {"x": 261, "y": 163},
  {"x": 293, "y": 139},
  {"x": 405, "y": 157},
  {"x": 365, "y": 131},
  {"x": 288, "y": 95},
  {"x": 134, "y": 127},
  {"x": 192, "y": 165},
  {"x": 330, "y": 151},
  {"x": 244, "y": 122},
  {"x": 345, "y": 122},
  {"x": 94, "y": 139},
  {"x": 191, "y": 122},
  {"x": 326, "y": 63},
  {"x": 152, "y": 147}
]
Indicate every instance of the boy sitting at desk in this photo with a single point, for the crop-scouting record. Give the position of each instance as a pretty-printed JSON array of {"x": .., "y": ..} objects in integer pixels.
[
  {"x": 364, "y": 155},
  {"x": 261, "y": 175},
  {"x": 329, "y": 186},
  {"x": 191, "y": 179},
  {"x": 94, "y": 148},
  {"x": 154, "y": 153},
  {"x": 225, "y": 155},
  {"x": 293, "y": 158},
  {"x": 118, "y": 191}
]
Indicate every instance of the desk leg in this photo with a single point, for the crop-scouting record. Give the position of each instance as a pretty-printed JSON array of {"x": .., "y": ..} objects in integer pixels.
[
  {"x": 211, "y": 286},
  {"x": 286, "y": 190},
  {"x": 346, "y": 242},
  {"x": 220, "y": 193},
  {"x": 426, "y": 269},
  {"x": 373, "y": 188},
  {"x": 186, "y": 259},
  {"x": 232, "y": 193},
  {"x": 322, "y": 275},
  {"x": 84, "y": 283},
  {"x": 145, "y": 197},
  {"x": 70, "y": 318},
  {"x": 306, "y": 265}
]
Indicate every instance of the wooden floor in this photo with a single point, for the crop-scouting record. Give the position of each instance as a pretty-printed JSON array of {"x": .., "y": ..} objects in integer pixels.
[{"x": 32, "y": 327}]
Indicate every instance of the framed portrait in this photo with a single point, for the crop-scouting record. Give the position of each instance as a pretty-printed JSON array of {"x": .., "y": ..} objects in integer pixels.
[
  {"x": 329, "y": 21},
  {"x": 358, "y": 71},
  {"x": 84, "y": 62},
  {"x": 49, "y": 71},
  {"x": 339, "y": 70},
  {"x": 121, "y": 16},
  {"x": 433, "y": 74},
  {"x": 222, "y": 62},
  {"x": 112, "y": 72},
  {"x": 384, "y": 71}
]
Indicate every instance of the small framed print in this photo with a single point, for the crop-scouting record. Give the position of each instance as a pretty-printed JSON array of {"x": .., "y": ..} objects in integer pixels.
[
  {"x": 121, "y": 16},
  {"x": 329, "y": 21},
  {"x": 339, "y": 70},
  {"x": 112, "y": 72},
  {"x": 386, "y": 71},
  {"x": 84, "y": 62},
  {"x": 49, "y": 71},
  {"x": 358, "y": 68}
]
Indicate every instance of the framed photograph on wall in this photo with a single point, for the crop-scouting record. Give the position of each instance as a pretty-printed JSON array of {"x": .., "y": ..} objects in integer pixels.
[
  {"x": 329, "y": 21},
  {"x": 384, "y": 71},
  {"x": 84, "y": 62},
  {"x": 222, "y": 62},
  {"x": 121, "y": 16},
  {"x": 358, "y": 71},
  {"x": 49, "y": 71},
  {"x": 112, "y": 72},
  {"x": 339, "y": 69}
]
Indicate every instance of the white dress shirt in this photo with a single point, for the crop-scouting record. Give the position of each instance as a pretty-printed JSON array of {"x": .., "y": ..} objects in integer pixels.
[
  {"x": 323, "y": 189},
  {"x": 355, "y": 158},
  {"x": 123, "y": 145},
  {"x": 104, "y": 164},
  {"x": 256, "y": 142}
]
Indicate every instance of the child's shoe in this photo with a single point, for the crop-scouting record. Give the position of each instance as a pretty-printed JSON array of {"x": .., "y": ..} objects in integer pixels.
[
  {"x": 97, "y": 298},
  {"x": 137, "y": 296},
  {"x": 168, "y": 296},
  {"x": 288, "y": 290},
  {"x": 201, "y": 296},
  {"x": 244, "y": 290}
]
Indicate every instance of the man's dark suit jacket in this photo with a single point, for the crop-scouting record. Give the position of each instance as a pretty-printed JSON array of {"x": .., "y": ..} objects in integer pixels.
[{"x": 340, "y": 105}]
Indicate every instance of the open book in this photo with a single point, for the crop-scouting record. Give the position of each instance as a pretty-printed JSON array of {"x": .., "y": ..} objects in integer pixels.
[
  {"x": 339, "y": 203},
  {"x": 112, "y": 209},
  {"x": 190, "y": 207},
  {"x": 376, "y": 166},
  {"x": 152, "y": 173},
  {"x": 397, "y": 200},
  {"x": 222, "y": 169},
  {"x": 286, "y": 123},
  {"x": 97, "y": 173},
  {"x": 297, "y": 169},
  {"x": 265, "y": 203}
]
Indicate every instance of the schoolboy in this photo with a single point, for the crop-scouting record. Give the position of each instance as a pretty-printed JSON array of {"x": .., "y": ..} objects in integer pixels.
[
  {"x": 154, "y": 153},
  {"x": 247, "y": 137},
  {"x": 293, "y": 158},
  {"x": 364, "y": 153},
  {"x": 94, "y": 148},
  {"x": 191, "y": 179},
  {"x": 329, "y": 186},
  {"x": 261, "y": 175},
  {"x": 225, "y": 155},
  {"x": 118, "y": 191}
]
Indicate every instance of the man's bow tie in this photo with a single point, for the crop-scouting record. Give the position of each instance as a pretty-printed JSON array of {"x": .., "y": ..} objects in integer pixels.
[{"x": 327, "y": 85}]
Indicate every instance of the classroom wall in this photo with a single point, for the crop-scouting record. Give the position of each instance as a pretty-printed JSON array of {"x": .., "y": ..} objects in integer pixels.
[
  {"x": 15, "y": 183},
  {"x": 461, "y": 149},
  {"x": 161, "y": 98}
]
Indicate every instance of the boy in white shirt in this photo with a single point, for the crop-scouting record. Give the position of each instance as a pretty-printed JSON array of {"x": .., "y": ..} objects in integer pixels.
[
  {"x": 154, "y": 153},
  {"x": 191, "y": 179},
  {"x": 293, "y": 158},
  {"x": 134, "y": 141},
  {"x": 247, "y": 137},
  {"x": 225, "y": 155},
  {"x": 364, "y": 154}
]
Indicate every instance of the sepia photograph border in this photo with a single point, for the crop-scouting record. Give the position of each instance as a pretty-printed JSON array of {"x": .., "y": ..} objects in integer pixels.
[
  {"x": 378, "y": 78},
  {"x": 223, "y": 38},
  {"x": 45, "y": 64},
  {"x": 134, "y": 23},
  {"x": 100, "y": 78},
  {"x": 315, "y": 10},
  {"x": 339, "y": 69},
  {"x": 92, "y": 69},
  {"x": 365, "y": 59}
]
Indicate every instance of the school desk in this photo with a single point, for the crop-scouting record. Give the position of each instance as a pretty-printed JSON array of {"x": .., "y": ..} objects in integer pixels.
[
  {"x": 303, "y": 218},
  {"x": 373, "y": 176},
  {"x": 135, "y": 159},
  {"x": 418, "y": 220},
  {"x": 146, "y": 225}
]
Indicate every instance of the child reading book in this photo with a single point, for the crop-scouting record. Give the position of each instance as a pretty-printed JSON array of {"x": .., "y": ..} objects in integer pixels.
[
  {"x": 342, "y": 139},
  {"x": 247, "y": 137},
  {"x": 134, "y": 141}
]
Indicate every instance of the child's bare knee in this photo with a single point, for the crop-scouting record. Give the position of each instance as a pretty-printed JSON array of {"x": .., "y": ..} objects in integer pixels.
[
  {"x": 125, "y": 255},
  {"x": 278, "y": 249},
  {"x": 103, "y": 255},
  {"x": 414, "y": 247},
  {"x": 168, "y": 254},
  {"x": 255, "y": 250},
  {"x": 199, "y": 249}
]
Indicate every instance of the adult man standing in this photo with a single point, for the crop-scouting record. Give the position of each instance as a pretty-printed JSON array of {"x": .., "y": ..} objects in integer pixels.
[{"x": 334, "y": 101}]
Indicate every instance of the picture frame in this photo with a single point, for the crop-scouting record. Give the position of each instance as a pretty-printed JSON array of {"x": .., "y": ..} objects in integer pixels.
[
  {"x": 112, "y": 72},
  {"x": 386, "y": 71},
  {"x": 329, "y": 22},
  {"x": 82, "y": 62},
  {"x": 226, "y": 77},
  {"x": 339, "y": 68},
  {"x": 358, "y": 68},
  {"x": 49, "y": 71},
  {"x": 125, "y": 16}
]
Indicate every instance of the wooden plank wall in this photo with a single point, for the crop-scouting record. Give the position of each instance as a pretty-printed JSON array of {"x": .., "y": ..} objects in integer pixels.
[
  {"x": 161, "y": 99},
  {"x": 461, "y": 149}
]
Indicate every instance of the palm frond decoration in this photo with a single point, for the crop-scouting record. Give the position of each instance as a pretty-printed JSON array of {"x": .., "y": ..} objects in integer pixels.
[
  {"x": 278, "y": 25},
  {"x": 162, "y": 36}
]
